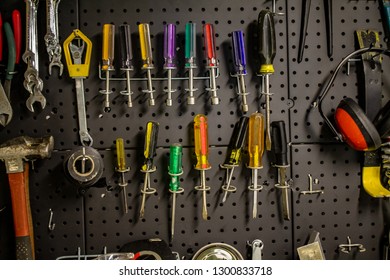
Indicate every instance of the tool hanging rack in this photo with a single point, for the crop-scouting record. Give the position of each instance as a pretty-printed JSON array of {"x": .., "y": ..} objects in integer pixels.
[{"x": 96, "y": 220}]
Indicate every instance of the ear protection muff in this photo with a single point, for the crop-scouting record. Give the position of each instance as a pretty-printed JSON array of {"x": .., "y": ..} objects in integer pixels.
[{"x": 353, "y": 126}]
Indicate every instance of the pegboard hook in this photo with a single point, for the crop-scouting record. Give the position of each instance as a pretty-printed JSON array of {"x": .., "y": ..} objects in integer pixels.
[
  {"x": 273, "y": 9},
  {"x": 51, "y": 225},
  {"x": 346, "y": 248},
  {"x": 311, "y": 191}
]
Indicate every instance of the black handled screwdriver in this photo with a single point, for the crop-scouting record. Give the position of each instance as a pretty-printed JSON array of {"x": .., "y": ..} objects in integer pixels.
[
  {"x": 267, "y": 52},
  {"x": 279, "y": 148},
  {"x": 127, "y": 59}
]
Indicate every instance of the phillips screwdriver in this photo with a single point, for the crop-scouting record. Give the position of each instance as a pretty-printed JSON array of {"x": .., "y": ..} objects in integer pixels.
[
  {"x": 202, "y": 153},
  {"x": 190, "y": 56},
  {"x": 239, "y": 61},
  {"x": 267, "y": 52},
  {"x": 169, "y": 57},
  {"x": 175, "y": 170},
  {"x": 147, "y": 58},
  {"x": 233, "y": 157},
  {"x": 148, "y": 166},
  {"x": 256, "y": 150},
  {"x": 127, "y": 59},
  {"x": 122, "y": 169},
  {"x": 279, "y": 148},
  {"x": 212, "y": 62},
  {"x": 108, "y": 61}
]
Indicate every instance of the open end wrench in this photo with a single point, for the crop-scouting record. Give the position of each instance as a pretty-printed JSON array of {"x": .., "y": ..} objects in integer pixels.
[
  {"x": 53, "y": 46},
  {"x": 36, "y": 96}
]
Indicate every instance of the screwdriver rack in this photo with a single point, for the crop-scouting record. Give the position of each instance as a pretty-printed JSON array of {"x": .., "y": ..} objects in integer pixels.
[{"x": 96, "y": 219}]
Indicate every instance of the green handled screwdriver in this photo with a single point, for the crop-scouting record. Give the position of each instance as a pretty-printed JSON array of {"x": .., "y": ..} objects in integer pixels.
[
  {"x": 175, "y": 170},
  {"x": 233, "y": 157},
  {"x": 267, "y": 52},
  {"x": 148, "y": 166}
]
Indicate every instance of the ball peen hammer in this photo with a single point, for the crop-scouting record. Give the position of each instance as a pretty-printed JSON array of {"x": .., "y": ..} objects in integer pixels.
[{"x": 15, "y": 153}]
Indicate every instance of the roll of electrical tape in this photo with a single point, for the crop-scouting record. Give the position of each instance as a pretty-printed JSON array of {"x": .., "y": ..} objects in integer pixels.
[
  {"x": 217, "y": 251},
  {"x": 84, "y": 166}
]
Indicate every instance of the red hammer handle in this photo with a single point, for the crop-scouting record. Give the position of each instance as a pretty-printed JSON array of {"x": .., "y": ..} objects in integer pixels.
[{"x": 22, "y": 214}]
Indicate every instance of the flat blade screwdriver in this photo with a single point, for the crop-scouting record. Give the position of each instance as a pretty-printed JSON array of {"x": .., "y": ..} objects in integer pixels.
[
  {"x": 239, "y": 61},
  {"x": 122, "y": 169},
  {"x": 169, "y": 57},
  {"x": 233, "y": 158},
  {"x": 108, "y": 61},
  {"x": 190, "y": 56},
  {"x": 279, "y": 148},
  {"x": 175, "y": 170},
  {"x": 148, "y": 167},
  {"x": 267, "y": 52},
  {"x": 202, "y": 153},
  {"x": 127, "y": 59},
  {"x": 212, "y": 62},
  {"x": 256, "y": 150},
  {"x": 147, "y": 58}
]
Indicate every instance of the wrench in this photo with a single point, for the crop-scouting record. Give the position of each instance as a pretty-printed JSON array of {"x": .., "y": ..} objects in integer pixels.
[
  {"x": 32, "y": 83},
  {"x": 51, "y": 38}
]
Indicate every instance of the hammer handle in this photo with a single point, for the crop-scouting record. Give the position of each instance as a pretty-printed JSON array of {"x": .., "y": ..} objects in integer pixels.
[{"x": 22, "y": 214}]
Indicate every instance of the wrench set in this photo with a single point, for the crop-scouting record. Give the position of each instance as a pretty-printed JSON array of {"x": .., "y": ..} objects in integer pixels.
[{"x": 165, "y": 132}]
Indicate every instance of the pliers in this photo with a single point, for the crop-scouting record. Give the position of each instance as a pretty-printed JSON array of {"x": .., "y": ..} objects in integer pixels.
[
  {"x": 304, "y": 21},
  {"x": 13, "y": 44}
]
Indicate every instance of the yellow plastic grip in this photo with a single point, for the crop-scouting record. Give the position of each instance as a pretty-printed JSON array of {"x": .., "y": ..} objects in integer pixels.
[
  {"x": 256, "y": 140},
  {"x": 372, "y": 182},
  {"x": 108, "y": 47},
  {"x": 201, "y": 142},
  {"x": 146, "y": 46},
  {"x": 120, "y": 154},
  {"x": 78, "y": 70}
]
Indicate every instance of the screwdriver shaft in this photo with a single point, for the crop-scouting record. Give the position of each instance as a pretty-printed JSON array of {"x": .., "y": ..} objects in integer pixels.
[
  {"x": 124, "y": 193},
  {"x": 229, "y": 181},
  {"x": 242, "y": 91},
  {"x": 107, "y": 96},
  {"x": 129, "y": 102},
  {"x": 150, "y": 87},
  {"x": 213, "y": 87},
  {"x": 145, "y": 187},
  {"x": 254, "y": 180},
  {"x": 173, "y": 215},
  {"x": 203, "y": 186},
  {"x": 190, "y": 99},
  {"x": 169, "y": 90},
  {"x": 267, "y": 112}
]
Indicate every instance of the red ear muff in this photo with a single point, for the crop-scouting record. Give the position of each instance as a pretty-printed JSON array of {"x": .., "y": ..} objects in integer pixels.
[{"x": 355, "y": 127}]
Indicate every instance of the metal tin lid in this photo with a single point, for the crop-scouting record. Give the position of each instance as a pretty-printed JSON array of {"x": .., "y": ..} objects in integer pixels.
[{"x": 217, "y": 251}]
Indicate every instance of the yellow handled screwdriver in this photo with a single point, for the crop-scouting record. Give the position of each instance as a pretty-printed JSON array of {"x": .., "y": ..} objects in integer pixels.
[
  {"x": 147, "y": 58},
  {"x": 122, "y": 169},
  {"x": 256, "y": 150},
  {"x": 202, "y": 153},
  {"x": 108, "y": 61}
]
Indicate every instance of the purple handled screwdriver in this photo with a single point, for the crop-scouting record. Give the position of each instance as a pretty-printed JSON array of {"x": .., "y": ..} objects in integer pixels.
[
  {"x": 169, "y": 57},
  {"x": 239, "y": 61}
]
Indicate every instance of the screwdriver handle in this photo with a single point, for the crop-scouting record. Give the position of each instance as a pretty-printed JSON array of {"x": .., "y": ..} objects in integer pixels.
[
  {"x": 201, "y": 142},
  {"x": 267, "y": 42},
  {"x": 120, "y": 153},
  {"x": 146, "y": 45},
  {"x": 239, "y": 58},
  {"x": 126, "y": 49},
  {"x": 175, "y": 166},
  {"x": 237, "y": 141},
  {"x": 108, "y": 47},
  {"x": 190, "y": 45},
  {"x": 279, "y": 143},
  {"x": 169, "y": 46},
  {"x": 150, "y": 144},
  {"x": 256, "y": 140},
  {"x": 17, "y": 27},
  {"x": 209, "y": 43}
]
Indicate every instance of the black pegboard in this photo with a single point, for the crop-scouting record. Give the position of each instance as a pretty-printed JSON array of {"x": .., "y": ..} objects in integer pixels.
[{"x": 96, "y": 220}]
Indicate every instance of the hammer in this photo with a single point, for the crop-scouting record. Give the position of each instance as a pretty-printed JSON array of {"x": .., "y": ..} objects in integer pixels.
[{"x": 14, "y": 152}]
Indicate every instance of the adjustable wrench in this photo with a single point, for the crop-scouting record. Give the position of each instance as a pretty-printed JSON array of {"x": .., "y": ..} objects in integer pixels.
[
  {"x": 52, "y": 41},
  {"x": 32, "y": 83}
]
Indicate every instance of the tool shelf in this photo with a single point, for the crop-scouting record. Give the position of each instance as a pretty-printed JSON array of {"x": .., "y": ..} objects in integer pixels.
[{"x": 96, "y": 220}]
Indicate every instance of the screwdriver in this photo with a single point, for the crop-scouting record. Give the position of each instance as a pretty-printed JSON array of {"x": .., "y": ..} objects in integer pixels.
[
  {"x": 108, "y": 61},
  {"x": 256, "y": 150},
  {"x": 175, "y": 170},
  {"x": 212, "y": 62},
  {"x": 147, "y": 58},
  {"x": 122, "y": 169},
  {"x": 148, "y": 166},
  {"x": 190, "y": 56},
  {"x": 127, "y": 59},
  {"x": 202, "y": 153},
  {"x": 169, "y": 57},
  {"x": 267, "y": 52},
  {"x": 233, "y": 157},
  {"x": 239, "y": 61},
  {"x": 279, "y": 147}
]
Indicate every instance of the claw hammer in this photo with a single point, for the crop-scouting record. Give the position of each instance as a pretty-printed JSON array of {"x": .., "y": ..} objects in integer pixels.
[{"x": 15, "y": 153}]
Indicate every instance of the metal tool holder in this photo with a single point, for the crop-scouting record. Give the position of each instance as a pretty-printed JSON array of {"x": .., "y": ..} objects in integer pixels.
[{"x": 96, "y": 219}]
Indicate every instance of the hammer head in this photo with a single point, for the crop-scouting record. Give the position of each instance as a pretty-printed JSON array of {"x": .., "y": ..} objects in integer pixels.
[{"x": 14, "y": 151}]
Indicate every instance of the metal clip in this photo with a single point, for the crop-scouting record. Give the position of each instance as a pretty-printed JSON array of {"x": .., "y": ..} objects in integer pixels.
[
  {"x": 51, "y": 225},
  {"x": 347, "y": 248}
]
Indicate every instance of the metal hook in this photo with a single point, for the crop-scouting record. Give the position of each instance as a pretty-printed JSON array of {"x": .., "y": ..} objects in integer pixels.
[
  {"x": 346, "y": 248},
  {"x": 51, "y": 225},
  {"x": 2, "y": 209}
]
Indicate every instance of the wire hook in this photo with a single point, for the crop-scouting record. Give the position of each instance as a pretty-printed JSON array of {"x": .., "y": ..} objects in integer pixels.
[{"x": 51, "y": 225}]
